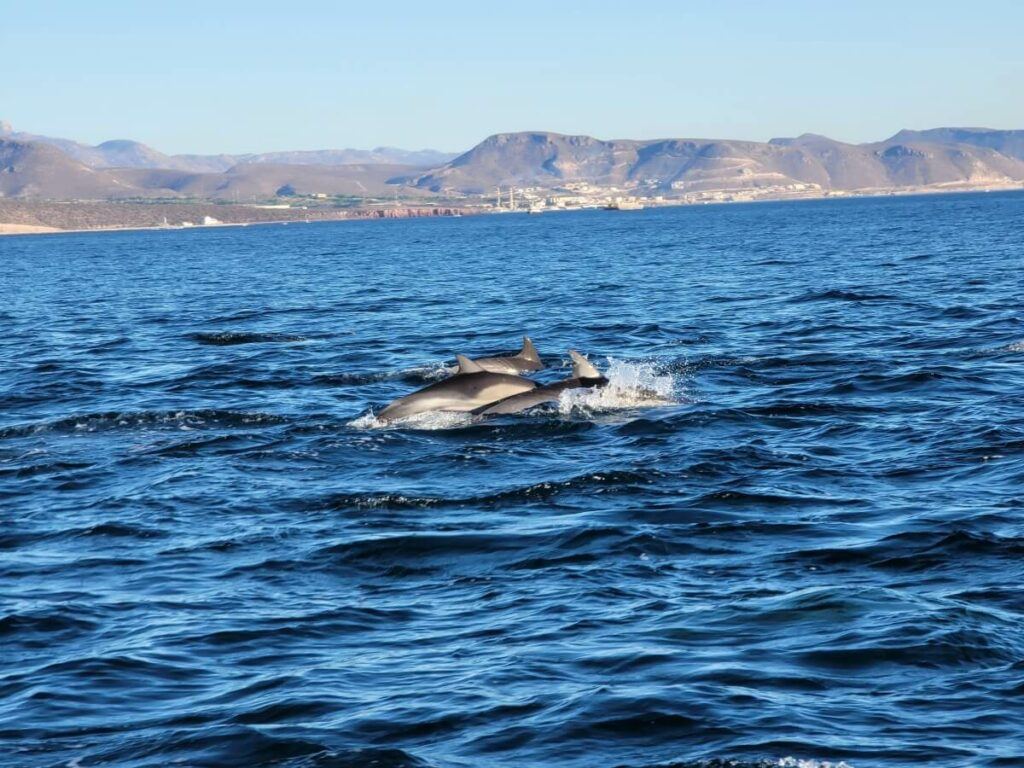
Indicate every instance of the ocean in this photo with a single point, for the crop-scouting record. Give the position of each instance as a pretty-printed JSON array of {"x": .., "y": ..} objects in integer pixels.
[{"x": 790, "y": 532}]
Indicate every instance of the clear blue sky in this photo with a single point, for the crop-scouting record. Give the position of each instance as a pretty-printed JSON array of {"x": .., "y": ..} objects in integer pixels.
[{"x": 233, "y": 77}]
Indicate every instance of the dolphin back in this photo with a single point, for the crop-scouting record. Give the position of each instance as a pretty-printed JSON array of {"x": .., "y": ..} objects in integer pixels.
[
  {"x": 525, "y": 360},
  {"x": 523, "y": 401},
  {"x": 585, "y": 375},
  {"x": 462, "y": 393},
  {"x": 529, "y": 352}
]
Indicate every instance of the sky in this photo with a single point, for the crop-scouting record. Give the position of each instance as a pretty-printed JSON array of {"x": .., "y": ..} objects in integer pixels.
[{"x": 249, "y": 77}]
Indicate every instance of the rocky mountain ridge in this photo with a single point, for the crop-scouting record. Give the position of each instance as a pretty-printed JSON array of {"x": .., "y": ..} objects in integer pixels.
[
  {"x": 938, "y": 158},
  {"x": 125, "y": 153},
  {"x": 543, "y": 159}
]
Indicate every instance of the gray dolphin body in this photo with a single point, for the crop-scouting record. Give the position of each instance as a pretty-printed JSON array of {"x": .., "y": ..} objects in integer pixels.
[
  {"x": 527, "y": 359},
  {"x": 583, "y": 375},
  {"x": 471, "y": 388}
]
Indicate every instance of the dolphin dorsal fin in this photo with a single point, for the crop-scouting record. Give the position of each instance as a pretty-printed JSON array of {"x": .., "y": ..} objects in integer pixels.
[
  {"x": 468, "y": 366},
  {"x": 529, "y": 352},
  {"x": 581, "y": 367}
]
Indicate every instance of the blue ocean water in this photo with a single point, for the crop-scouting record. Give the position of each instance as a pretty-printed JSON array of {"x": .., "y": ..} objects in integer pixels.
[{"x": 791, "y": 533}]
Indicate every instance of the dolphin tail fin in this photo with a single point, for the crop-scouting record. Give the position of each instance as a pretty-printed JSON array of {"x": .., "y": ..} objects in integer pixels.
[
  {"x": 468, "y": 366},
  {"x": 529, "y": 352},
  {"x": 581, "y": 367}
]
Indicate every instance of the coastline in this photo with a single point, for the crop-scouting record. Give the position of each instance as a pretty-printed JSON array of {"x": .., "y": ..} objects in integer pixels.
[
  {"x": 20, "y": 229},
  {"x": 254, "y": 215},
  {"x": 28, "y": 229},
  {"x": 37, "y": 217}
]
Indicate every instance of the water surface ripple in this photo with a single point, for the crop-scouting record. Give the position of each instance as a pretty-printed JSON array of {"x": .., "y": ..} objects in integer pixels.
[{"x": 813, "y": 548}]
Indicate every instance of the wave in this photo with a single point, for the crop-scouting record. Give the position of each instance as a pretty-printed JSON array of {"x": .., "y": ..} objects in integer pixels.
[
  {"x": 469, "y": 552},
  {"x": 614, "y": 481},
  {"x": 43, "y": 468},
  {"x": 50, "y": 623},
  {"x": 262, "y": 312},
  {"x": 836, "y": 294},
  {"x": 206, "y": 418},
  {"x": 421, "y": 374},
  {"x": 916, "y": 551},
  {"x": 766, "y": 500},
  {"x": 242, "y": 744},
  {"x": 715, "y": 762},
  {"x": 233, "y": 338}
]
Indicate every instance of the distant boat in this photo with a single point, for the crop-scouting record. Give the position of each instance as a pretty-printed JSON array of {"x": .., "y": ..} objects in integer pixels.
[{"x": 536, "y": 209}]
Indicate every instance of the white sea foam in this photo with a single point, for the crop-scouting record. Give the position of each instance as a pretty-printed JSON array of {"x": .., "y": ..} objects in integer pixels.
[
  {"x": 427, "y": 420},
  {"x": 630, "y": 385},
  {"x": 433, "y": 372},
  {"x": 366, "y": 421},
  {"x": 1017, "y": 346}
]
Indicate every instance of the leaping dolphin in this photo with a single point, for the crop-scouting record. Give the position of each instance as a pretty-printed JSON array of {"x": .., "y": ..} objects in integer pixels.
[
  {"x": 583, "y": 375},
  {"x": 470, "y": 388},
  {"x": 524, "y": 360}
]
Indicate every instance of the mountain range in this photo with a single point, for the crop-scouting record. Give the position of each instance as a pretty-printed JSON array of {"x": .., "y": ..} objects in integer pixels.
[
  {"x": 124, "y": 153},
  {"x": 42, "y": 171},
  {"x": 910, "y": 158},
  {"x": 35, "y": 166}
]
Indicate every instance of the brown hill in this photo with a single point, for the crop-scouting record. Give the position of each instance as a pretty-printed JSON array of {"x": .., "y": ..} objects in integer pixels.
[
  {"x": 944, "y": 156},
  {"x": 123, "y": 153},
  {"x": 549, "y": 160},
  {"x": 37, "y": 170},
  {"x": 34, "y": 170},
  {"x": 246, "y": 182},
  {"x": 1009, "y": 143}
]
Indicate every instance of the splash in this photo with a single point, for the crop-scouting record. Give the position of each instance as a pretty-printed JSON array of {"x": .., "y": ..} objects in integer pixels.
[
  {"x": 1017, "y": 346},
  {"x": 429, "y": 420},
  {"x": 630, "y": 385},
  {"x": 432, "y": 372}
]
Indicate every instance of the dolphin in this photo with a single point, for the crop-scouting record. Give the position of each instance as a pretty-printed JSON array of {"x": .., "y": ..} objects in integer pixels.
[
  {"x": 524, "y": 360},
  {"x": 471, "y": 387},
  {"x": 583, "y": 375}
]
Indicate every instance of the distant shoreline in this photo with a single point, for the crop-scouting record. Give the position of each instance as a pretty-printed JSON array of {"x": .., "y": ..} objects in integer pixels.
[
  {"x": 26, "y": 217},
  {"x": 28, "y": 229},
  {"x": 257, "y": 215}
]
